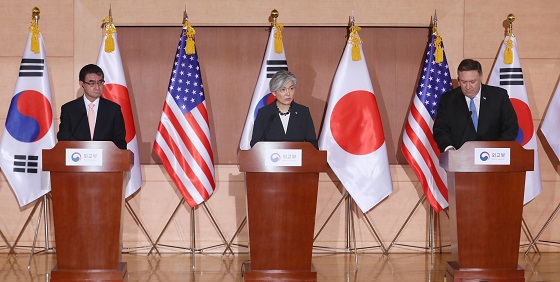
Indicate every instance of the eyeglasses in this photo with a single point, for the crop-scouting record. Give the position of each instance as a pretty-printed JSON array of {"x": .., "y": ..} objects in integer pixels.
[
  {"x": 285, "y": 90},
  {"x": 93, "y": 83}
]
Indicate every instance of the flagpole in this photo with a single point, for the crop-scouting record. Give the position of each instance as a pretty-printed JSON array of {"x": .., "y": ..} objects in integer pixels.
[
  {"x": 36, "y": 14},
  {"x": 5, "y": 241},
  {"x": 201, "y": 143},
  {"x": 350, "y": 230},
  {"x": 435, "y": 54},
  {"x": 193, "y": 248}
]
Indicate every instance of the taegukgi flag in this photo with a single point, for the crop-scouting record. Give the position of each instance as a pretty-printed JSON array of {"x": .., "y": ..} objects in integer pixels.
[
  {"x": 508, "y": 74},
  {"x": 29, "y": 124},
  {"x": 274, "y": 60}
]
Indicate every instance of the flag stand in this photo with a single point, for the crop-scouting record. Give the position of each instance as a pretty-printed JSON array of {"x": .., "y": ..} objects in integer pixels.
[
  {"x": 230, "y": 243},
  {"x": 351, "y": 230},
  {"x": 430, "y": 247},
  {"x": 537, "y": 240},
  {"x": 193, "y": 248},
  {"x": 8, "y": 246},
  {"x": 136, "y": 219},
  {"x": 44, "y": 202}
]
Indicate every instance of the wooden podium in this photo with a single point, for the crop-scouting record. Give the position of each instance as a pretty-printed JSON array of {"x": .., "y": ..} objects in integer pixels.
[
  {"x": 485, "y": 207},
  {"x": 281, "y": 203},
  {"x": 87, "y": 204}
]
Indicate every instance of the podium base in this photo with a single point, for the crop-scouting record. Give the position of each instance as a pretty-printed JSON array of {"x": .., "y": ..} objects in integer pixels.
[
  {"x": 119, "y": 274},
  {"x": 278, "y": 275},
  {"x": 455, "y": 273}
]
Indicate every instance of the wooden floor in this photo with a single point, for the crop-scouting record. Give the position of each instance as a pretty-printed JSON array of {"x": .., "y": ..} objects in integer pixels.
[{"x": 330, "y": 267}]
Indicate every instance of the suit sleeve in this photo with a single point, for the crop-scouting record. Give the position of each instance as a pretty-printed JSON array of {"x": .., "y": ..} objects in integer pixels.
[
  {"x": 119, "y": 130},
  {"x": 259, "y": 127},
  {"x": 509, "y": 124},
  {"x": 310, "y": 135},
  {"x": 441, "y": 128},
  {"x": 64, "y": 129}
]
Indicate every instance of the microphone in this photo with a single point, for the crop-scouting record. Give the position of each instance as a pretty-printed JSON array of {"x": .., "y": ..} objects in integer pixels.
[
  {"x": 268, "y": 126},
  {"x": 77, "y": 125}
]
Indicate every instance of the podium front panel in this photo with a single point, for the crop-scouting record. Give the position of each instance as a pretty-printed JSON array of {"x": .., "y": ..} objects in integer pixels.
[
  {"x": 87, "y": 219},
  {"x": 281, "y": 213}
]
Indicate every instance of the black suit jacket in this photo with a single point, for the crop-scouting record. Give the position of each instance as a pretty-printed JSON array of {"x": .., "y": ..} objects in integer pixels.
[
  {"x": 109, "y": 125},
  {"x": 497, "y": 119},
  {"x": 268, "y": 126}
]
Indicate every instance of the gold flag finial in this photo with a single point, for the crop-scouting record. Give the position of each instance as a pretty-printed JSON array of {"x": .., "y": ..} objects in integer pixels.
[
  {"x": 354, "y": 39},
  {"x": 108, "y": 30},
  {"x": 277, "y": 31},
  {"x": 510, "y": 19},
  {"x": 34, "y": 29},
  {"x": 35, "y": 14},
  {"x": 437, "y": 41},
  {"x": 274, "y": 15},
  {"x": 508, "y": 53}
]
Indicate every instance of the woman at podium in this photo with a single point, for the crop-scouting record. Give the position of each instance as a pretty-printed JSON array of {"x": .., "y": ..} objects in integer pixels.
[{"x": 284, "y": 119}]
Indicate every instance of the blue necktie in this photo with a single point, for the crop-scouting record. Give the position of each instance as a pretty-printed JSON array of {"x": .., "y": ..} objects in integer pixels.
[{"x": 474, "y": 116}]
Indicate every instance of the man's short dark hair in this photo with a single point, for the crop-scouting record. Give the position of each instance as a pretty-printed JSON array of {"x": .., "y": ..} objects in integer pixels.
[
  {"x": 469, "y": 65},
  {"x": 91, "y": 68}
]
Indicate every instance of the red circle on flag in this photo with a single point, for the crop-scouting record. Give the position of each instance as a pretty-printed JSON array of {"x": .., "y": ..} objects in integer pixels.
[
  {"x": 525, "y": 121},
  {"x": 119, "y": 94},
  {"x": 356, "y": 123}
]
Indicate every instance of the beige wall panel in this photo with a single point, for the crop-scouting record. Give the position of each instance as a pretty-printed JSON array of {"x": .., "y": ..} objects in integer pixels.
[
  {"x": 254, "y": 12},
  {"x": 535, "y": 27},
  {"x": 56, "y": 26}
]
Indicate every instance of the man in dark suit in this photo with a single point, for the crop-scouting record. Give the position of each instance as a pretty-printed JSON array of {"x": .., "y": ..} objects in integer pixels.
[
  {"x": 473, "y": 111},
  {"x": 92, "y": 113},
  {"x": 284, "y": 119}
]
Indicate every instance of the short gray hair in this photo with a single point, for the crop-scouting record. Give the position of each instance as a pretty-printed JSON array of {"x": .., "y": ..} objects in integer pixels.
[{"x": 280, "y": 78}]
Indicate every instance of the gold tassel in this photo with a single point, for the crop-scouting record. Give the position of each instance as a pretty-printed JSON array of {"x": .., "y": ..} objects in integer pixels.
[
  {"x": 437, "y": 42},
  {"x": 354, "y": 39},
  {"x": 278, "y": 37},
  {"x": 109, "y": 44},
  {"x": 439, "y": 50},
  {"x": 35, "y": 33},
  {"x": 109, "y": 30},
  {"x": 189, "y": 48},
  {"x": 508, "y": 53}
]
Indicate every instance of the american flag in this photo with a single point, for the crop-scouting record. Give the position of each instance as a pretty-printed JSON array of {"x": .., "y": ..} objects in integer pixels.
[
  {"x": 418, "y": 145},
  {"x": 183, "y": 137}
]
